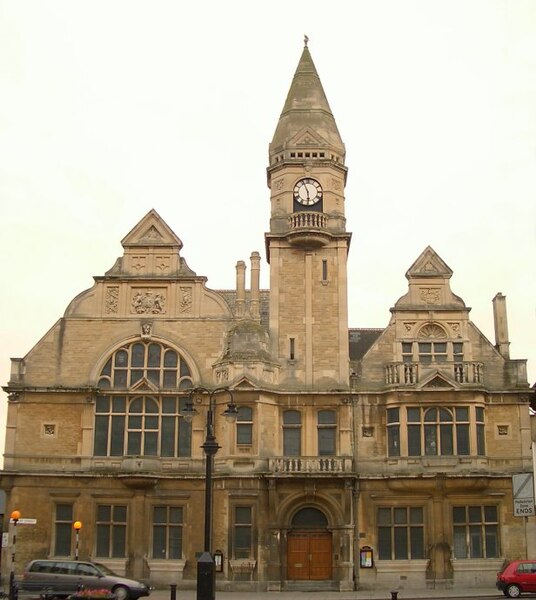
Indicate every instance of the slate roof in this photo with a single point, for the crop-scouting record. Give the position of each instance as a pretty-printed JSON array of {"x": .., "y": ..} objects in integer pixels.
[{"x": 360, "y": 340}]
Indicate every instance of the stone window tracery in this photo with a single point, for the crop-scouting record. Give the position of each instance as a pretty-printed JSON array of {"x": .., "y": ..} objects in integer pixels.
[
  {"x": 139, "y": 413},
  {"x": 400, "y": 533},
  {"x": 433, "y": 346},
  {"x": 111, "y": 528},
  {"x": 475, "y": 531},
  {"x": 156, "y": 363},
  {"x": 435, "y": 431},
  {"x": 167, "y": 532}
]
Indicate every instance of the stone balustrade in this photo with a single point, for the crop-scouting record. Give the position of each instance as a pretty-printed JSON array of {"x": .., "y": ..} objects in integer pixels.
[
  {"x": 310, "y": 464},
  {"x": 307, "y": 220},
  {"x": 400, "y": 373}
]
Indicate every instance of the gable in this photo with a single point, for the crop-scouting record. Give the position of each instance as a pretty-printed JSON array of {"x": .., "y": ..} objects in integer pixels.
[
  {"x": 152, "y": 230},
  {"x": 307, "y": 138},
  {"x": 429, "y": 264},
  {"x": 437, "y": 380}
]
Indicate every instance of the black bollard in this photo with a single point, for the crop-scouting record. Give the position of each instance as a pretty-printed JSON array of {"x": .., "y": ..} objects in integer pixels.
[
  {"x": 394, "y": 595},
  {"x": 173, "y": 592}
]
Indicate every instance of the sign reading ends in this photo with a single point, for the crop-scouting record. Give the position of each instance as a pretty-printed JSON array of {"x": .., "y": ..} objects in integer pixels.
[{"x": 523, "y": 491}]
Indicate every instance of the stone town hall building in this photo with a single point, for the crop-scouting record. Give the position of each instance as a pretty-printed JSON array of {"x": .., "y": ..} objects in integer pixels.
[{"x": 360, "y": 457}]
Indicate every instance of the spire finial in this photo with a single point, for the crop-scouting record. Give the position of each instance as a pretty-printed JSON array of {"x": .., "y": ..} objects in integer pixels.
[{"x": 305, "y": 40}]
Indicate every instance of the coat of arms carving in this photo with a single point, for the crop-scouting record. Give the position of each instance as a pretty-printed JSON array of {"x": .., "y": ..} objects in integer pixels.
[{"x": 148, "y": 303}]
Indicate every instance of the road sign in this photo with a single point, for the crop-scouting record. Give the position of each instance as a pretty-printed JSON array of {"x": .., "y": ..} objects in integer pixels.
[
  {"x": 25, "y": 521},
  {"x": 523, "y": 492}
]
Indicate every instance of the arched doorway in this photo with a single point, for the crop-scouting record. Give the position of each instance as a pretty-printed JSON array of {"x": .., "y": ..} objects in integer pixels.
[{"x": 309, "y": 547}]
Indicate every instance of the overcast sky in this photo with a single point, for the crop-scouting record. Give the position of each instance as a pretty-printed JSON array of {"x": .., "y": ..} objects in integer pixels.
[{"x": 111, "y": 108}]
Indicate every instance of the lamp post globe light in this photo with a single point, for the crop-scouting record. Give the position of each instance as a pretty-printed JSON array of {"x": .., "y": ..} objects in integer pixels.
[
  {"x": 206, "y": 569},
  {"x": 77, "y": 526},
  {"x": 15, "y": 516}
]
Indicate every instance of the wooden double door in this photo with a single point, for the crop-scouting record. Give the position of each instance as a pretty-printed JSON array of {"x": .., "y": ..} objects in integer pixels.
[{"x": 309, "y": 555}]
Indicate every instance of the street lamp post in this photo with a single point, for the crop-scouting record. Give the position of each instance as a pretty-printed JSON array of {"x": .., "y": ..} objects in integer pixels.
[
  {"x": 15, "y": 516},
  {"x": 77, "y": 525},
  {"x": 206, "y": 571}
]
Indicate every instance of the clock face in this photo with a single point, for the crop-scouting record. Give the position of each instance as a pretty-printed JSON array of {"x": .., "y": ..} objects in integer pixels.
[{"x": 307, "y": 191}]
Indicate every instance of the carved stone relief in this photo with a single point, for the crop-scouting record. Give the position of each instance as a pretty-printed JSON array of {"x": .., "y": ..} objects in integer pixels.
[
  {"x": 336, "y": 184},
  {"x": 163, "y": 263},
  {"x": 409, "y": 325},
  {"x": 49, "y": 430},
  {"x": 146, "y": 330},
  {"x": 502, "y": 429},
  {"x": 455, "y": 327},
  {"x": 111, "y": 304},
  {"x": 185, "y": 300},
  {"x": 152, "y": 234},
  {"x": 430, "y": 295},
  {"x": 433, "y": 331},
  {"x": 278, "y": 184},
  {"x": 429, "y": 267},
  {"x": 222, "y": 375},
  {"x": 148, "y": 302},
  {"x": 139, "y": 263}
]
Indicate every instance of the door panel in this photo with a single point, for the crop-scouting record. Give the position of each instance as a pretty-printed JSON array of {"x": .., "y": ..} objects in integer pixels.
[
  {"x": 298, "y": 557},
  {"x": 320, "y": 554},
  {"x": 309, "y": 556}
]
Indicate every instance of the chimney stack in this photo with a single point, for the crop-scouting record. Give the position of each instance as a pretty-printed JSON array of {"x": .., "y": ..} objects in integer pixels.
[
  {"x": 501, "y": 325},
  {"x": 254, "y": 306},
  {"x": 240, "y": 289}
]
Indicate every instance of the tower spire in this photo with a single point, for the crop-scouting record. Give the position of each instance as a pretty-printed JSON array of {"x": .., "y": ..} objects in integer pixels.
[{"x": 306, "y": 108}]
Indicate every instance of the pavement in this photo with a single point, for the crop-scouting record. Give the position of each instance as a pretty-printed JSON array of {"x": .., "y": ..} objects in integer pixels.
[
  {"x": 379, "y": 594},
  {"x": 406, "y": 594}
]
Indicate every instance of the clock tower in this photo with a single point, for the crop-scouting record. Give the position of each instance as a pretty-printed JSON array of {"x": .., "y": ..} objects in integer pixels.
[{"x": 307, "y": 246}]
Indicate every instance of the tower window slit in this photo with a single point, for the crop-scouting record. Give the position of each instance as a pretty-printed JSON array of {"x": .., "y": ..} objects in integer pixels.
[
  {"x": 324, "y": 270},
  {"x": 291, "y": 348}
]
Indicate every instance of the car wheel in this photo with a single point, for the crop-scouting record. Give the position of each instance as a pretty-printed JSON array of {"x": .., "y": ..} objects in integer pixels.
[
  {"x": 121, "y": 592},
  {"x": 513, "y": 591}
]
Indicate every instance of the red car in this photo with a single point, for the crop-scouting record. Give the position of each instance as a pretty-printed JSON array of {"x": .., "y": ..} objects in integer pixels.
[{"x": 517, "y": 577}]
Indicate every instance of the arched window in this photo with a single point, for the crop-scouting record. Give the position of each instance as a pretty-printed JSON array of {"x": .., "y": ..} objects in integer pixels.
[
  {"x": 438, "y": 431},
  {"x": 153, "y": 362},
  {"x": 309, "y": 518},
  {"x": 139, "y": 413}
]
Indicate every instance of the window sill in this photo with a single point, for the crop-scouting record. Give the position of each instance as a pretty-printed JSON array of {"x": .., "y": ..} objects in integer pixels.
[
  {"x": 161, "y": 565},
  {"x": 243, "y": 565}
]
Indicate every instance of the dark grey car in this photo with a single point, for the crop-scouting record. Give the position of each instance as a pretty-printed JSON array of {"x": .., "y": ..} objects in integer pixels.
[{"x": 64, "y": 577}]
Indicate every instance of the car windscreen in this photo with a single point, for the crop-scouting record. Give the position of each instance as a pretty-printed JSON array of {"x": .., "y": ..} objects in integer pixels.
[{"x": 104, "y": 569}]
